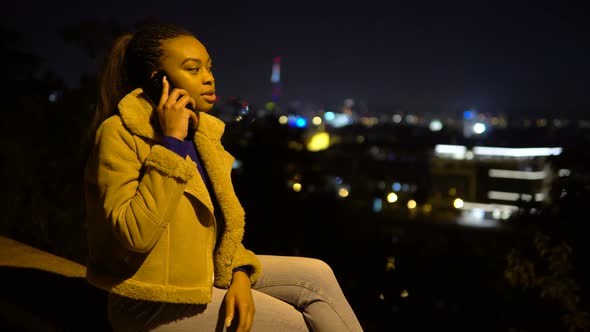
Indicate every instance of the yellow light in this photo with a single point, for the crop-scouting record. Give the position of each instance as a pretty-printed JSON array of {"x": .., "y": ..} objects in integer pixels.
[
  {"x": 392, "y": 198},
  {"x": 404, "y": 293},
  {"x": 296, "y": 187},
  {"x": 343, "y": 192},
  {"x": 427, "y": 208},
  {"x": 412, "y": 204},
  {"x": 458, "y": 203},
  {"x": 452, "y": 191},
  {"x": 283, "y": 119},
  {"x": 319, "y": 141},
  {"x": 390, "y": 265},
  {"x": 316, "y": 120},
  {"x": 270, "y": 106}
]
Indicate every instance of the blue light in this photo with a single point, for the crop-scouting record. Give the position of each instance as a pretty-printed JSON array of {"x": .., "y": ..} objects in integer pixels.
[
  {"x": 292, "y": 119},
  {"x": 53, "y": 96},
  {"x": 329, "y": 116},
  {"x": 377, "y": 205},
  {"x": 396, "y": 186},
  {"x": 244, "y": 110},
  {"x": 468, "y": 115},
  {"x": 300, "y": 122},
  {"x": 275, "y": 77}
]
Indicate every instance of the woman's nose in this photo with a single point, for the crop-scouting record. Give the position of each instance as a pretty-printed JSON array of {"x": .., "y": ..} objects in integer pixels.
[{"x": 208, "y": 78}]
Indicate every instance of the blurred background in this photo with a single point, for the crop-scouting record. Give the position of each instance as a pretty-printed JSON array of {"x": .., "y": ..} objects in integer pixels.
[{"x": 434, "y": 154}]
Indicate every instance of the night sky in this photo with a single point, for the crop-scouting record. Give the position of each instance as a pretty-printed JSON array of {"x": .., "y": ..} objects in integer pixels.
[{"x": 434, "y": 56}]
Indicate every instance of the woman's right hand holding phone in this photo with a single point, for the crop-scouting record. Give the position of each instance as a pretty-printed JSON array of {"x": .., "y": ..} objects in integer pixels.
[{"x": 173, "y": 115}]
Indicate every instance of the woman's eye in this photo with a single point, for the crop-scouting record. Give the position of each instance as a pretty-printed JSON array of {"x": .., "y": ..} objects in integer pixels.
[{"x": 194, "y": 70}]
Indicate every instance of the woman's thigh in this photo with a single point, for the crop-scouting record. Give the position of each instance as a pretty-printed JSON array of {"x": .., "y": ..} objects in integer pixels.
[{"x": 291, "y": 278}]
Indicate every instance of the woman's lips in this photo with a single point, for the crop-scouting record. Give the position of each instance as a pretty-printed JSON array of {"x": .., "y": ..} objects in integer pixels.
[{"x": 209, "y": 97}]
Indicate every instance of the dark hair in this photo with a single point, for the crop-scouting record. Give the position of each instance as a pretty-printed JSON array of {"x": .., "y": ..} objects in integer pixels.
[{"x": 128, "y": 65}]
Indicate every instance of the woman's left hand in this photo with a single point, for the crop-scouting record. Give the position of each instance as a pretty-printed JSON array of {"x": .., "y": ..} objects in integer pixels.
[{"x": 239, "y": 296}]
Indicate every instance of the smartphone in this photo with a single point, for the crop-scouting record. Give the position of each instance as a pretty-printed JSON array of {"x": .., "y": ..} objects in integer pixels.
[{"x": 153, "y": 89}]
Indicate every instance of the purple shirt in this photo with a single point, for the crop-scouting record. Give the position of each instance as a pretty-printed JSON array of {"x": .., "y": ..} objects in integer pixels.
[{"x": 185, "y": 148}]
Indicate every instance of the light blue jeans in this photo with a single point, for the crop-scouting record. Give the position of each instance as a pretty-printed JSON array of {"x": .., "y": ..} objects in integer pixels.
[{"x": 292, "y": 294}]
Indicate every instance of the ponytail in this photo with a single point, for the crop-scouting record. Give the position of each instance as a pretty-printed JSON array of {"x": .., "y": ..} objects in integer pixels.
[{"x": 113, "y": 83}]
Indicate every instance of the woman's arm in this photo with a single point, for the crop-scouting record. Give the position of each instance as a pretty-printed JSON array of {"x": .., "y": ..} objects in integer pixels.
[
  {"x": 138, "y": 201},
  {"x": 239, "y": 303}
]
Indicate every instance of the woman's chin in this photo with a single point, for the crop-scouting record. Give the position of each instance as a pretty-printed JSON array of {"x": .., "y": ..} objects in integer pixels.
[{"x": 204, "y": 108}]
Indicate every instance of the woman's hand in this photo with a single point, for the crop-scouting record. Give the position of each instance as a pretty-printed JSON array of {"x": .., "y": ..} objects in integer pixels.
[
  {"x": 239, "y": 296},
  {"x": 172, "y": 111}
]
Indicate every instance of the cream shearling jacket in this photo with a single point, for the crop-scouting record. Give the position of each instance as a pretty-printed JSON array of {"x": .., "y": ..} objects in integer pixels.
[{"x": 151, "y": 225}]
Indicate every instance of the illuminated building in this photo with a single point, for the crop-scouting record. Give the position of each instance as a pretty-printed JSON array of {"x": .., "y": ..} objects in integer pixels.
[
  {"x": 492, "y": 183},
  {"x": 275, "y": 79}
]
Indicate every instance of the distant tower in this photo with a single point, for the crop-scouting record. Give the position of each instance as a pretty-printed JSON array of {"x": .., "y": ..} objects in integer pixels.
[{"x": 275, "y": 79}]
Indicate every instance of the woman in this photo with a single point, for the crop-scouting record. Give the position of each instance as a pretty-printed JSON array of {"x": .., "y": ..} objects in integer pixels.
[{"x": 164, "y": 224}]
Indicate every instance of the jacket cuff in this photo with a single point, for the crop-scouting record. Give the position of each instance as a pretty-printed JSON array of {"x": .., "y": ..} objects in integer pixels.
[
  {"x": 247, "y": 259},
  {"x": 170, "y": 163},
  {"x": 243, "y": 269},
  {"x": 243, "y": 258}
]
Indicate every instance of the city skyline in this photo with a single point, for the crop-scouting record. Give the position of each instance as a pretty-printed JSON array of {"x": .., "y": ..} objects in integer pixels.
[{"x": 525, "y": 57}]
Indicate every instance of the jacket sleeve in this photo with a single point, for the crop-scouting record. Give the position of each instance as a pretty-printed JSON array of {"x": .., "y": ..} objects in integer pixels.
[
  {"x": 247, "y": 258},
  {"x": 138, "y": 200},
  {"x": 242, "y": 257}
]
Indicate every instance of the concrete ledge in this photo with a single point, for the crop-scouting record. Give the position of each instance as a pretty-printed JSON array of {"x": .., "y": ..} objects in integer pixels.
[
  {"x": 43, "y": 292},
  {"x": 17, "y": 254}
]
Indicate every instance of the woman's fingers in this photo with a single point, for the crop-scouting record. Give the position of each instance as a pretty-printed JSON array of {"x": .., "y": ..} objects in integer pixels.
[
  {"x": 229, "y": 310},
  {"x": 184, "y": 101},
  {"x": 174, "y": 111},
  {"x": 173, "y": 97},
  {"x": 250, "y": 319},
  {"x": 165, "y": 92},
  {"x": 195, "y": 119},
  {"x": 243, "y": 314}
]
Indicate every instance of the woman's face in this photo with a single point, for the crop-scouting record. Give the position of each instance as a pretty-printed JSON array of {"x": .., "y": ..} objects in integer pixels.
[{"x": 188, "y": 66}]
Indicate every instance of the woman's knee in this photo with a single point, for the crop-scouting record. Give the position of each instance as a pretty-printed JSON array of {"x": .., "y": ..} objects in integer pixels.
[{"x": 318, "y": 267}]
